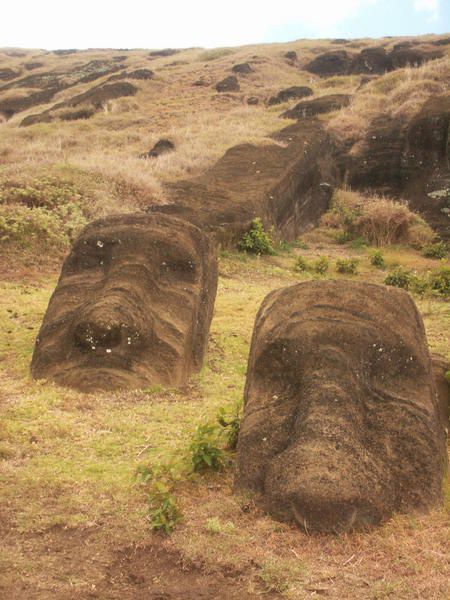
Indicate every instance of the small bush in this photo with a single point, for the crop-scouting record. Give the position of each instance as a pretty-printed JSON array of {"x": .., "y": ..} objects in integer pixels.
[
  {"x": 347, "y": 265},
  {"x": 400, "y": 277},
  {"x": 436, "y": 250},
  {"x": 439, "y": 282},
  {"x": 256, "y": 240},
  {"x": 321, "y": 265},
  {"x": 377, "y": 259},
  {"x": 302, "y": 265},
  {"x": 163, "y": 511},
  {"x": 204, "y": 449},
  {"x": 230, "y": 421},
  {"x": 359, "y": 242}
]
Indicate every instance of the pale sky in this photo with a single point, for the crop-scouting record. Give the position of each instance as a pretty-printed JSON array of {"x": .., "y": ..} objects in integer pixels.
[{"x": 53, "y": 24}]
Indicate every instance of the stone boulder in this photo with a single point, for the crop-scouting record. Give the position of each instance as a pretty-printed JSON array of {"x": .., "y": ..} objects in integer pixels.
[
  {"x": 341, "y": 426},
  {"x": 412, "y": 57},
  {"x": 162, "y": 146},
  {"x": 290, "y": 93},
  {"x": 337, "y": 62},
  {"x": 291, "y": 55},
  {"x": 7, "y": 74},
  {"x": 132, "y": 306},
  {"x": 372, "y": 61},
  {"x": 409, "y": 159},
  {"x": 242, "y": 69},
  {"x": 318, "y": 106},
  {"x": 229, "y": 84},
  {"x": 288, "y": 185}
]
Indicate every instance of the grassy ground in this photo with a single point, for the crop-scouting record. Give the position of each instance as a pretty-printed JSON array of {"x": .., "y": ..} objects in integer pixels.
[{"x": 68, "y": 464}]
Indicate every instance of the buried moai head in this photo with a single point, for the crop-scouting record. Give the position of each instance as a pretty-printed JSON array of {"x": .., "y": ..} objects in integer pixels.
[
  {"x": 341, "y": 424},
  {"x": 132, "y": 307}
]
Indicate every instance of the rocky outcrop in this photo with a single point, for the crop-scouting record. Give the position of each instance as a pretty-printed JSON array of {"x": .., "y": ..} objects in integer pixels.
[
  {"x": 409, "y": 159},
  {"x": 318, "y": 106},
  {"x": 441, "y": 371},
  {"x": 289, "y": 186},
  {"x": 370, "y": 60},
  {"x": 229, "y": 84},
  {"x": 8, "y": 74},
  {"x": 341, "y": 426},
  {"x": 132, "y": 307},
  {"x": 242, "y": 69},
  {"x": 92, "y": 101},
  {"x": 50, "y": 83},
  {"x": 290, "y": 93},
  {"x": 162, "y": 146}
]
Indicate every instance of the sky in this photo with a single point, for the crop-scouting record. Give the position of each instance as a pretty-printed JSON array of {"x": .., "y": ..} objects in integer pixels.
[{"x": 53, "y": 24}]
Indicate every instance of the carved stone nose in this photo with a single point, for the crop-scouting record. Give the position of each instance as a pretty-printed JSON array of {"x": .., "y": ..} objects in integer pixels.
[{"x": 90, "y": 335}]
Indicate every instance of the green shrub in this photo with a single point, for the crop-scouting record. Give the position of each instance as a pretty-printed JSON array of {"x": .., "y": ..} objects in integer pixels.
[
  {"x": 347, "y": 265},
  {"x": 436, "y": 250},
  {"x": 377, "y": 259},
  {"x": 439, "y": 281},
  {"x": 302, "y": 265},
  {"x": 230, "y": 421},
  {"x": 204, "y": 450},
  {"x": 400, "y": 277},
  {"x": 256, "y": 240},
  {"x": 321, "y": 265},
  {"x": 359, "y": 242},
  {"x": 343, "y": 237},
  {"x": 163, "y": 510}
]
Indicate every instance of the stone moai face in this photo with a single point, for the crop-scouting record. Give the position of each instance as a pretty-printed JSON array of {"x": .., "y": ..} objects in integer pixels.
[
  {"x": 132, "y": 307},
  {"x": 341, "y": 424}
]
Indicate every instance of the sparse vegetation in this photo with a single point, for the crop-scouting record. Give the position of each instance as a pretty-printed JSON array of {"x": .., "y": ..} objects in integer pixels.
[
  {"x": 377, "y": 259},
  {"x": 435, "y": 250},
  {"x": 256, "y": 240},
  {"x": 376, "y": 220},
  {"x": 347, "y": 265}
]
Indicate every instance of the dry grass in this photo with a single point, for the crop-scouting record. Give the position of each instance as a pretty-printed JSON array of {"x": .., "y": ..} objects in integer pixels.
[{"x": 399, "y": 94}]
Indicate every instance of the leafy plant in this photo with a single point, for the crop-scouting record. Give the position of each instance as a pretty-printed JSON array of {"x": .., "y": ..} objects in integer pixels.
[
  {"x": 347, "y": 265},
  {"x": 231, "y": 422},
  {"x": 256, "y": 240},
  {"x": 377, "y": 259},
  {"x": 400, "y": 277},
  {"x": 163, "y": 510},
  {"x": 439, "y": 282},
  {"x": 301, "y": 264},
  {"x": 321, "y": 265},
  {"x": 436, "y": 250},
  {"x": 204, "y": 450}
]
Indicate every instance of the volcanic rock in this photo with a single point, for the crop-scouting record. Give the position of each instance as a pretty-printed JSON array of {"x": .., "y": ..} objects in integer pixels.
[
  {"x": 289, "y": 94},
  {"x": 229, "y": 84},
  {"x": 242, "y": 69},
  {"x": 163, "y": 146},
  {"x": 132, "y": 306},
  {"x": 318, "y": 106},
  {"x": 341, "y": 427}
]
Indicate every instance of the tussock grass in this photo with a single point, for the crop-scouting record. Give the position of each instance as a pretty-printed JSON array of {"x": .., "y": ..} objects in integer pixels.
[{"x": 399, "y": 94}]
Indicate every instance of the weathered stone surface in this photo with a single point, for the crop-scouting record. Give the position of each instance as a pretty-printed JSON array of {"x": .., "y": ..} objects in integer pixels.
[
  {"x": 441, "y": 366},
  {"x": 410, "y": 159},
  {"x": 341, "y": 425},
  {"x": 242, "y": 69},
  {"x": 132, "y": 306},
  {"x": 90, "y": 102},
  {"x": 290, "y": 93},
  {"x": 229, "y": 84},
  {"x": 330, "y": 63},
  {"x": 288, "y": 186},
  {"x": 318, "y": 106},
  {"x": 162, "y": 146},
  {"x": 291, "y": 55}
]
